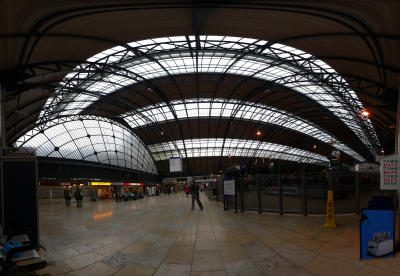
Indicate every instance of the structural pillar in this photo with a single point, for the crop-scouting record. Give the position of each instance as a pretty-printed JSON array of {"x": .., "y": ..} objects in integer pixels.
[
  {"x": 2, "y": 121},
  {"x": 259, "y": 193},
  {"x": 280, "y": 190},
  {"x": 303, "y": 183},
  {"x": 357, "y": 191},
  {"x": 397, "y": 141}
]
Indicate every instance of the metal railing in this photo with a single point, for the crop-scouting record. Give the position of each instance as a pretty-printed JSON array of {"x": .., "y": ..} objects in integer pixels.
[{"x": 303, "y": 193}]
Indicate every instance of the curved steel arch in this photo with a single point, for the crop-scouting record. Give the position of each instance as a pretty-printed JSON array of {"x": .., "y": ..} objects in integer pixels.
[
  {"x": 238, "y": 147},
  {"x": 235, "y": 110},
  {"x": 339, "y": 89},
  {"x": 90, "y": 138}
]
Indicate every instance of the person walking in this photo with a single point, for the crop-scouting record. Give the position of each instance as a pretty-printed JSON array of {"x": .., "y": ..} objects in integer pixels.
[{"x": 194, "y": 189}]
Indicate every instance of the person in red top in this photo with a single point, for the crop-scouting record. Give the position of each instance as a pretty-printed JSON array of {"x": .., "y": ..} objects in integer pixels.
[{"x": 187, "y": 190}]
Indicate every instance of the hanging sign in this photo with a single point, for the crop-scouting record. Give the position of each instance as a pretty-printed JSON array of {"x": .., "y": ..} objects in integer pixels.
[
  {"x": 389, "y": 170},
  {"x": 175, "y": 164}
]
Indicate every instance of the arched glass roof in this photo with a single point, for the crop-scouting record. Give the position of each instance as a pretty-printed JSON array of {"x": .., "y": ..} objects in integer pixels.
[
  {"x": 141, "y": 61},
  {"x": 231, "y": 108},
  {"x": 90, "y": 138},
  {"x": 212, "y": 147}
]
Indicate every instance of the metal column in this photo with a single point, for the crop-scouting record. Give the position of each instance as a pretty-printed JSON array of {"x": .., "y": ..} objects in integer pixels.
[
  {"x": 357, "y": 190},
  {"x": 236, "y": 197},
  {"x": 303, "y": 182},
  {"x": 2, "y": 121},
  {"x": 280, "y": 190},
  {"x": 397, "y": 141},
  {"x": 259, "y": 193},
  {"x": 241, "y": 193}
]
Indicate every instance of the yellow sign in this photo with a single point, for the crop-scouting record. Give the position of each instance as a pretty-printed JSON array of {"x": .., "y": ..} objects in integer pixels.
[
  {"x": 100, "y": 183},
  {"x": 330, "y": 220}
]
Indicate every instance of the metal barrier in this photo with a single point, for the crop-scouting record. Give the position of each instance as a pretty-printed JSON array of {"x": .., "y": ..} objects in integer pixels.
[{"x": 304, "y": 193}]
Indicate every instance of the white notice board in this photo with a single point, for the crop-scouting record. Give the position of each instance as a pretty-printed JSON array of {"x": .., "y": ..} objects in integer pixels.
[
  {"x": 229, "y": 187},
  {"x": 389, "y": 170},
  {"x": 175, "y": 164}
]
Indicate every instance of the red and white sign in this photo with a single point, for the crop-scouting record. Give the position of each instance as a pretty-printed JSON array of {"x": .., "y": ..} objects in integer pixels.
[
  {"x": 389, "y": 172},
  {"x": 133, "y": 184}
]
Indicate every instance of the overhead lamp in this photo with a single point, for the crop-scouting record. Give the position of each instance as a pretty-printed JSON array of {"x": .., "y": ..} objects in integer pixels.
[
  {"x": 315, "y": 147},
  {"x": 382, "y": 151},
  {"x": 365, "y": 113},
  {"x": 258, "y": 132}
]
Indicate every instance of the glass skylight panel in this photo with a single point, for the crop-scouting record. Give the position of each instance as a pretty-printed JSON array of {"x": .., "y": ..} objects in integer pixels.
[
  {"x": 70, "y": 136},
  {"x": 218, "y": 54},
  {"x": 235, "y": 147},
  {"x": 247, "y": 110}
]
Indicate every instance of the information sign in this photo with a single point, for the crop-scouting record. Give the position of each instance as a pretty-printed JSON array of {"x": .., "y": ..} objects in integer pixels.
[
  {"x": 175, "y": 164},
  {"x": 389, "y": 173},
  {"x": 229, "y": 187}
]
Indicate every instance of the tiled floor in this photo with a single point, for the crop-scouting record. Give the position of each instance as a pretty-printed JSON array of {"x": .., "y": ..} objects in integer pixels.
[{"x": 162, "y": 236}]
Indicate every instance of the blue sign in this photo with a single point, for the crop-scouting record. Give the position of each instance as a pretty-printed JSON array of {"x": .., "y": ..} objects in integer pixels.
[{"x": 377, "y": 234}]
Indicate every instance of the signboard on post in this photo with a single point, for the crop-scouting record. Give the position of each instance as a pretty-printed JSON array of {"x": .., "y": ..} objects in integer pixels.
[
  {"x": 229, "y": 187},
  {"x": 389, "y": 170}
]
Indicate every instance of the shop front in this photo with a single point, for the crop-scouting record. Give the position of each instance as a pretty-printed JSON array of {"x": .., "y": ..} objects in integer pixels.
[
  {"x": 55, "y": 189},
  {"x": 116, "y": 188},
  {"x": 101, "y": 189},
  {"x": 133, "y": 187}
]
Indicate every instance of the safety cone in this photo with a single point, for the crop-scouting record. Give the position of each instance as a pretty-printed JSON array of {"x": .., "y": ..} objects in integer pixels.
[{"x": 330, "y": 220}]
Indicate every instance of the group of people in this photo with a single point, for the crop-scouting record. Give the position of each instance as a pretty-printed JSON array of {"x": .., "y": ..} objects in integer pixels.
[
  {"x": 193, "y": 189},
  {"x": 68, "y": 195}
]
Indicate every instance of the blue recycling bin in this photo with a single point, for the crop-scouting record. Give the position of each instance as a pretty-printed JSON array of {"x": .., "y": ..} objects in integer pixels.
[{"x": 377, "y": 233}]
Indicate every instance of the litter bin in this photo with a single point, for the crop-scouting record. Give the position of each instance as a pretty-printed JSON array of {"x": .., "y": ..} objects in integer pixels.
[{"x": 377, "y": 229}]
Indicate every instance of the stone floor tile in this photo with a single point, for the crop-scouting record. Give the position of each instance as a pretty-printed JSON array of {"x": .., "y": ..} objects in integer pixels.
[
  {"x": 276, "y": 265},
  {"x": 207, "y": 260},
  {"x": 347, "y": 254},
  {"x": 322, "y": 265},
  {"x": 137, "y": 247},
  {"x": 242, "y": 268},
  {"x": 186, "y": 239},
  {"x": 245, "y": 238},
  {"x": 208, "y": 273},
  {"x": 61, "y": 254},
  {"x": 165, "y": 242},
  {"x": 109, "y": 249},
  {"x": 150, "y": 237},
  {"x": 173, "y": 270},
  {"x": 257, "y": 251},
  {"x": 206, "y": 245},
  {"x": 83, "y": 260},
  {"x": 153, "y": 256},
  {"x": 370, "y": 270},
  {"x": 180, "y": 254},
  {"x": 162, "y": 232},
  {"x": 96, "y": 269},
  {"x": 295, "y": 254},
  {"x": 54, "y": 268},
  {"x": 232, "y": 251},
  {"x": 119, "y": 259}
]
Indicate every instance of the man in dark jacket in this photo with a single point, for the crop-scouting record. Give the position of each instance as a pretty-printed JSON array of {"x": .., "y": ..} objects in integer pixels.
[{"x": 194, "y": 189}]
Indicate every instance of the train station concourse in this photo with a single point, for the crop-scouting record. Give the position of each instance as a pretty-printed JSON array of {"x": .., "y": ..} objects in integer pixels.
[{"x": 231, "y": 137}]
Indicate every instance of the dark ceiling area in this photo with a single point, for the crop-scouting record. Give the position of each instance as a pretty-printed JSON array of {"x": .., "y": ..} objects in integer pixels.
[{"x": 300, "y": 72}]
